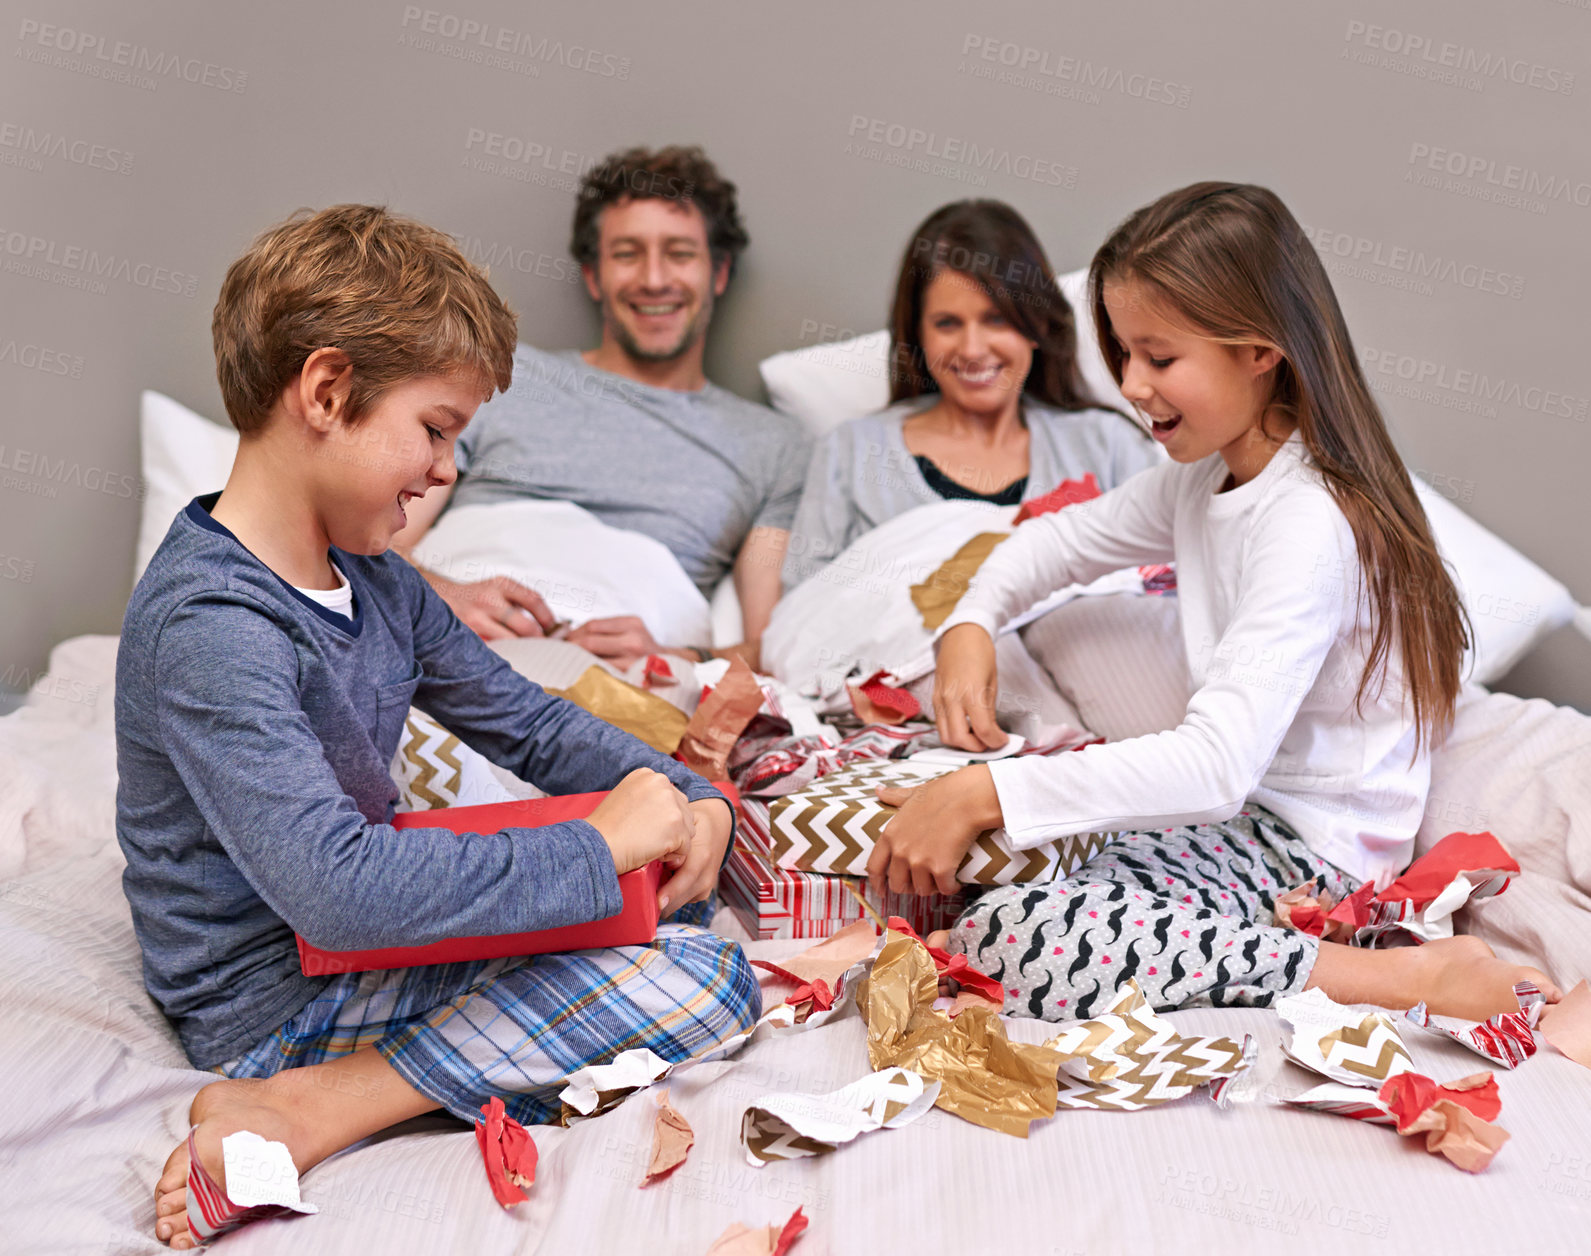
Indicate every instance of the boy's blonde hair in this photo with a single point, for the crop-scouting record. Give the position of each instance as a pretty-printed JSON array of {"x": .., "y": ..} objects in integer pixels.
[{"x": 396, "y": 296}]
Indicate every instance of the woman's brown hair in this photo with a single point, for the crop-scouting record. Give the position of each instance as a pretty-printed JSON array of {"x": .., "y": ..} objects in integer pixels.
[
  {"x": 1230, "y": 261},
  {"x": 992, "y": 244}
]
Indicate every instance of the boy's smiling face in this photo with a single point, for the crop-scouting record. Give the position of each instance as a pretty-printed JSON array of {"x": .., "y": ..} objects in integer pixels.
[{"x": 367, "y": 473}]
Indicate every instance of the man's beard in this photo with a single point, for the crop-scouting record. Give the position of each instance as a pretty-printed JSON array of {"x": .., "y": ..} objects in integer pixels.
[{"x": 694, "y": 330}]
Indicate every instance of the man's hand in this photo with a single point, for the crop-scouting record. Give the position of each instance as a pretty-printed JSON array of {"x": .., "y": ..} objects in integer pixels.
[
  {"x": 645, "y": 818},
  {"x": 965, "y": 688},
  {"x": 496, "y": 608},
  {"x": 696, "y": 878},
  {"x": 619, "y": 640},
  {"x": 925, "y": 841}
]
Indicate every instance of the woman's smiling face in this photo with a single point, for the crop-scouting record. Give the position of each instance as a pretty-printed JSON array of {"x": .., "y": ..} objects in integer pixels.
[{"x": 978, "y": 359}]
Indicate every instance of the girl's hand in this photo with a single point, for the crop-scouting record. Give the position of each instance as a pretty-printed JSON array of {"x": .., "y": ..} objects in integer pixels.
[
  {"x": 645, "y": 818},
  {"x": 965, "y": 688},
  {"x": 698, "y": 875},
  {"x": 925, "y": 841}
]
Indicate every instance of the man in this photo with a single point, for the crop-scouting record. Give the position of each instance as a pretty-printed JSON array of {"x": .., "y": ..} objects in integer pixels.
[{"x": 633, "y": 431}]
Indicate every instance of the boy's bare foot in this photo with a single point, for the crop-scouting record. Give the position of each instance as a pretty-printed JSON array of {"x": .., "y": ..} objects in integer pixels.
[
  {"x": 221, "y": 1108},
  {"x": 1459, "y": 976}
]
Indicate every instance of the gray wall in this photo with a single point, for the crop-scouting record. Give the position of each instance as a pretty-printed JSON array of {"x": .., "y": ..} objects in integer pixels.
[{"x": 294, "y": 104}]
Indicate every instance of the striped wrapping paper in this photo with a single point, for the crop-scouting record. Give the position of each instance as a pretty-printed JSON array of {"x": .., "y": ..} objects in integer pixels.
[{"x": 776, "y": 902}]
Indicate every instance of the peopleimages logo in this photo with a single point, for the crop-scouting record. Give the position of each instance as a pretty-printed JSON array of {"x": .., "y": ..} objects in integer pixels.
[
  {"x": 1444, "y": 61},
  {"x": 1404, "y": 375},
  {"x": 896, "y": 144},
  {"x": 77, "y": 266},
  {"x": 1355, "y": 255},
  {"x": 138, "y": 65},
  {"x": 501, "y": 47},
  {"x": 1055, "y": 74},
  {"x": 1485, "y": 178},
  {"x": 27, "y": 144}
]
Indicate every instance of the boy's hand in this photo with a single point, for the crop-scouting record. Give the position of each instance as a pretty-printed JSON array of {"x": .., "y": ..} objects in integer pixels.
[
  {"x": 645, "y": 818},
  {"x": 496, "y": 608},
  {"x": 965, "y": 688},
  {"x": 925, "y": 841},
  {"x": 695, "y": 878}
]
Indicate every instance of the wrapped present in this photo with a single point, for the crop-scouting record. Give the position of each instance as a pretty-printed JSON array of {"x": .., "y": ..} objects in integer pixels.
[
  {"x": 774, "y": 902},
  {"x": 832, "y": 824}
]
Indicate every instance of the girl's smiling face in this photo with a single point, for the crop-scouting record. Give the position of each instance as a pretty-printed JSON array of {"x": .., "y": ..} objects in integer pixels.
[{"x": 1200, "y": 396}]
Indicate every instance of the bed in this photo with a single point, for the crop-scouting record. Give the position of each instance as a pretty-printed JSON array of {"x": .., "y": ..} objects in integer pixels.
[{"x": 97, "y": 1090}]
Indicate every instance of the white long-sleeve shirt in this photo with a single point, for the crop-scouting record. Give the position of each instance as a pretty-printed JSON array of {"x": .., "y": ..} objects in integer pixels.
[{"x": 1276, "y": 635}]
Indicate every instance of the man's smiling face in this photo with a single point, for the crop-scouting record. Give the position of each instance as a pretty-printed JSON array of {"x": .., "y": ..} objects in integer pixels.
[{"x": 654, "y": 277}]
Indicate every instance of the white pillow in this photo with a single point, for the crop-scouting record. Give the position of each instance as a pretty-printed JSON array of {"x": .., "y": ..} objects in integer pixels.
[
  {"x": 825, "y": 384},
  {"x": 1512, "y": 603},
  {"x": 184, "y": 455}
]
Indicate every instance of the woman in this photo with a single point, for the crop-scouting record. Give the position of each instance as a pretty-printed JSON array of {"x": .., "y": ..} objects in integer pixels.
[{"x": 987, "y": 403}]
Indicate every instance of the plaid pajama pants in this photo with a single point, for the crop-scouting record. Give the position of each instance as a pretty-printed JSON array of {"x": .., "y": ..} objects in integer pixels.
[
  {"x": 1184, "y": 911},
  {"x": 516, "y": 1028}
]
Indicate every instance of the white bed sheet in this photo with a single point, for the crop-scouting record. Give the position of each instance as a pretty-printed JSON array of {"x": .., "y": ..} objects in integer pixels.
[{"x": 96, "y": 1094}]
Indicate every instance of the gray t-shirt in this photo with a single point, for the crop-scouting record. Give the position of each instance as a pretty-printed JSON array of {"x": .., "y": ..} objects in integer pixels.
[
  {"x": 862, "y": 474},
  {"x": 694, "y": 470}
]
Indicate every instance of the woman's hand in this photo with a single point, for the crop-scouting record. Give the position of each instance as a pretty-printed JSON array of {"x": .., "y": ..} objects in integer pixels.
[
  {"x": 698, "y": 875},
  {"x": 619, "y": 639},
  {"x": 965, "y": 688},
  {"x": 925, "y": 841}
]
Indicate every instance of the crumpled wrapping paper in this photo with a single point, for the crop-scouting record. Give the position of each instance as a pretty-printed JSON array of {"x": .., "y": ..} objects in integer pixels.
[
  {"x": 1566, "y": 1024},
  {"x": 1508, "y": 1038},
  {"x": 722, "y": 715},
  {"x": 1460, "y": 868},
  {"x": 672, "y": 1139},
  {"x": 984, "y": 1077},
  {"x": 790, "y": 1126},
  {"x": 1129, "y": 1058},
  {"x": 656, "y": 721},
  {"x": 762, "y": 1240},
  {"x": 1346, "y": 1044},
  {"x": 1455, "y": 1117},
  {"x": 508, "y": 1152}
]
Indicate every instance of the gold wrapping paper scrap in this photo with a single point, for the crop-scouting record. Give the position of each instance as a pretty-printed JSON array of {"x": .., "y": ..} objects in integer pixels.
[
  {"x": 1129, "y": 1058},
  {"x": 656, "y": 721},
  {"x": 721, "y": 717},
  {"x": 937, "y": 596},
  {"x": 672, "y": 1139},
  {"x": 984, "y": 1077}
]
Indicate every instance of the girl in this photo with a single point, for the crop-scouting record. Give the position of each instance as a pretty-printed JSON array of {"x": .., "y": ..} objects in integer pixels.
[
  {"x": 1323, "y": 634},
  {"x": 986, "y": 403}
]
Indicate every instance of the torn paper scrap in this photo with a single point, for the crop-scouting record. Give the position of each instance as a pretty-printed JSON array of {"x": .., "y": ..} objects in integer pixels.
[
  {"x": 791, "y": 1126},
  {"x": 1346, "y": 1044},
  {"x": 829, "y": 958},
  {"x": 672, "y": 1138},
  {"x": 656, "y": 721},
  {"x": 1129, "y": 1058},
  {"x": 1508, "y": 1038},
  {"x": 763, "y": 1240},
  {"x": 1454, "y": 1117},
  {"x": 985, "y": 1078},
  {"x": 260, "y": 1172},
  {"x": 508, "y": 1152},
  {"x": 1567, "y": 1024},
  {"x": 719, "y": 720},
  {"x": 1459, "y": 868},
  {"x": 597, "y": 1087}
]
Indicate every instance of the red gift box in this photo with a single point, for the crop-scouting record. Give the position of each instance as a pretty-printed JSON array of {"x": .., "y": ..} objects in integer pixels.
[{"x": 634, "y": 925}]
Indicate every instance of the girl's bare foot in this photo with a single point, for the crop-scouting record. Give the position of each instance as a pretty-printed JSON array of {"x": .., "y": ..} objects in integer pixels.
[
  {"x": 314, "y": 1111},
  {"x": 940, "y": 939},
  {"x": 1461, "y": 977},
  {"x": 221, "y": 1108}
]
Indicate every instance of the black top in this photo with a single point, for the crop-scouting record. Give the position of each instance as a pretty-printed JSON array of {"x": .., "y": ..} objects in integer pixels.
[{"x": 1010, "y": 495}]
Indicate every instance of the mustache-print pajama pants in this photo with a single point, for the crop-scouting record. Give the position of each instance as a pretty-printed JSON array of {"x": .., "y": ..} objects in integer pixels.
[{"x": 1185, "y": 911}]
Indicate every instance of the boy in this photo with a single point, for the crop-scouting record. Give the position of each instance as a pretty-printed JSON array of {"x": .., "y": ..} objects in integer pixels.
[{"x": 268, "y": 659}]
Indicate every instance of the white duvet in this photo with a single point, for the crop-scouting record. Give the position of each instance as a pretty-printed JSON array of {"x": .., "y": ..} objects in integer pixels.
[{"x": 96, "y": 1090}]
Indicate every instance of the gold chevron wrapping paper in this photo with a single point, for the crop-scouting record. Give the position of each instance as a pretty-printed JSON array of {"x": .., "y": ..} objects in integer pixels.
[
  {"x": 427, "y": 767},
  {"x": 1352, "y": 1045},
  {"x": 831, "y": 827},
  {"x": 792, "y": 1126},
  {"x": 1129, "y": 1058}
]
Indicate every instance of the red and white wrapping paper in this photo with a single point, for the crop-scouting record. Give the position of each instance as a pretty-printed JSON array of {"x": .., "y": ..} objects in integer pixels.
[{"x": 1508, "y": 1038}]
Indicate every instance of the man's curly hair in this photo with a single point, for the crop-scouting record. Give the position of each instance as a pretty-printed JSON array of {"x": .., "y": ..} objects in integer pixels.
[{"x": 677, "y": 172}]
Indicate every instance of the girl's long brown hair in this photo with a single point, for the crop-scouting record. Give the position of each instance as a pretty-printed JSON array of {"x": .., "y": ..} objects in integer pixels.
[
  {"x": 1232, "y": 262},
  {"x": 992, "y": 244}
]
